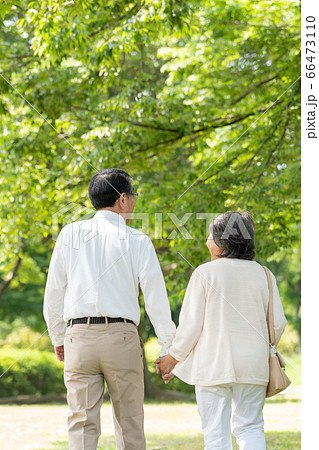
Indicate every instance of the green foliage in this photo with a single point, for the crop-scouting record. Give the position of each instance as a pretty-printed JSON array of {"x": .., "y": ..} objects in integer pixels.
[
  {"x": 198, "y": 100},
  {"x": 22, "y": 304},
  {"x": 290, "y": 342},
  {"x": 25, "y": 337},
  {"x": 287, "y": 267},
  {"x": 39, "y": 372},
  {"x": 33, "y": 372},
  {"x": 293, "y": 368}
]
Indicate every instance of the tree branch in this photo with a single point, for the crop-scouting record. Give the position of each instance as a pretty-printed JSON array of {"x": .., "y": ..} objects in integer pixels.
[
  {"x": 235, "y": 119},
  {"x": 225, "y": 123},
  {"x": 272, "y": 152},
  {"x": 227, "y": 164},
  {"x": 169, "y": 141},
  {"x": 245, "y": 24},
  {"x": 153, "y": 127},
  {"x": 208, "y": 128},
  {"x": 249, "y": 162},
  {"x": 19, "y": 56},
  {"x": 119, "y": 19},
  {"x": 253, "y": 89},
  {"x": 18, "y": 67},
  {"x": 20, "y": 7}
]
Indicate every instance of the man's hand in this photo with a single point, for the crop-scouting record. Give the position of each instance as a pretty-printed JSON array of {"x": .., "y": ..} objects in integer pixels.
[
  {"x": 59, "y": 351},
  {"x": 165, "y": 364}
]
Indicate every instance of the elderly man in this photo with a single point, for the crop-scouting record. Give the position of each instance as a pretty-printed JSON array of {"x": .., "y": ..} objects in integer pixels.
[{"x": 92, "y": 312}]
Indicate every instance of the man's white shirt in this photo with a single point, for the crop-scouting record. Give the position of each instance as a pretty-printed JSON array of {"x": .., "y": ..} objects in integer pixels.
[{"x": 95, "y": 270}]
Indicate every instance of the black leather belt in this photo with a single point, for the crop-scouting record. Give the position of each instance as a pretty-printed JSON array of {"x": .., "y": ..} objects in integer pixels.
[{"x": 98, "y": 320}]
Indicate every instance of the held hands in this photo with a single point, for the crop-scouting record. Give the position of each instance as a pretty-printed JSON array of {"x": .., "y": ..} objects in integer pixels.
[
  {"x": 59, "y": 351},
  {"x": 165, "y": 365},
  {"x": 167, "y": 378}
]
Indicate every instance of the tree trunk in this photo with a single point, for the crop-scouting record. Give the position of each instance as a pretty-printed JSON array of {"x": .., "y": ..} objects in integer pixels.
[
  {"x": 150, "y": 389},
  {"x": 297, "y": 318},
  {"x": 4, "y": 285}
]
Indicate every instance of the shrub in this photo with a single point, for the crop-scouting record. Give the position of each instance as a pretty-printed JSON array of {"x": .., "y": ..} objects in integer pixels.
[
  {"x": 32, "y": 372},
  {"x": 289, "y": 343},
  {"x": 24, "y": 337}
]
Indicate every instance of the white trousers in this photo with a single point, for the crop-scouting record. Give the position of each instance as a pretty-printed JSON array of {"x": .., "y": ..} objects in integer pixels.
[{"x": 215, "y": 404}]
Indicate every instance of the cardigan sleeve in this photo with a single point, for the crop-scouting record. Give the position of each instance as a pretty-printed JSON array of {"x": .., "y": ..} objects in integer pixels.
[
  {"x": 280, "y": 320},
  {"x": 191, "y": 319}
]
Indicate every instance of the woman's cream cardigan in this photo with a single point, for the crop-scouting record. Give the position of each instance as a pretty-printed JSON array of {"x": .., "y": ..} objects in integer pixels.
[{"x": 222, "y": 335}]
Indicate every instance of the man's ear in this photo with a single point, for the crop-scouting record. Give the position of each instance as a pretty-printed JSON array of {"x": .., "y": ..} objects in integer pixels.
[{"x": 121, "y": 201}]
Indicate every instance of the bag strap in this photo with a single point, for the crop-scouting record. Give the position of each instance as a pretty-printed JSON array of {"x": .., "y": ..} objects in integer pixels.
[{"x": 270, "y": 312}]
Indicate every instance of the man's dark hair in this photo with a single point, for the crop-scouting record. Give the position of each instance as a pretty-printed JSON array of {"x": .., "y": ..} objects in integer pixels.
[
  {"x": 234, "y": 233},
  {"x": 107, "y": 186}
]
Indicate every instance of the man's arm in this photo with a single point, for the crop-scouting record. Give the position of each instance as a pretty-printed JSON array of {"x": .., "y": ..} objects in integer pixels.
[
  {"x": 54, "y": 296},
  {"x": 191, "y": 320},
  {"x": 155, "y": 296}
]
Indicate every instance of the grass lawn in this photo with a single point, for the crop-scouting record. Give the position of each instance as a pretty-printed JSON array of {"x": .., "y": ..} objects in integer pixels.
[
  {"x": 275, "y": 441},
  {"x": 167, "y": 426}
]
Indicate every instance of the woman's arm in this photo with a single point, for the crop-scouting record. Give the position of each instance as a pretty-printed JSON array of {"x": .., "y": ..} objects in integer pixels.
[{"x": 191, "y": 319}]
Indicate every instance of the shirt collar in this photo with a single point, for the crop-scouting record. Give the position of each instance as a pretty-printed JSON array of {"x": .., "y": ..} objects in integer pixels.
[{"x": 110, "y": 216}]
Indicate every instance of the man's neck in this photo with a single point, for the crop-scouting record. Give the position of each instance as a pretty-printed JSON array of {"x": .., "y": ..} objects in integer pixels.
[
  {"x": 116, "y": 211},
  {"x": 110, "y": 208}
]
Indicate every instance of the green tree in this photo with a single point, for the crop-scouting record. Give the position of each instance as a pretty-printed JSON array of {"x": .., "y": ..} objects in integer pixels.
[{"x": 199, "y": 101}]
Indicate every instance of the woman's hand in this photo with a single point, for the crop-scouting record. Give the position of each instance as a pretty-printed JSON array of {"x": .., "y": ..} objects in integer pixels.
[
  {"x": 167, "y": 378},
  {"x": 165, "y": 364}
]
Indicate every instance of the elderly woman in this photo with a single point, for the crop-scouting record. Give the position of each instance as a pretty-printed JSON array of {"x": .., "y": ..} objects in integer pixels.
[{"x": 221, "y": 345}]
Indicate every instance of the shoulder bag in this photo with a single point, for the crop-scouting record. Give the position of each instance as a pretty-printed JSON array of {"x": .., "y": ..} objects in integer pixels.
[{"x": 278, "y": 380}]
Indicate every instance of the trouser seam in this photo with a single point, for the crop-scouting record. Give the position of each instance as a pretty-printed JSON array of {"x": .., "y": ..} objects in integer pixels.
[{"x": 120, "y": 411}]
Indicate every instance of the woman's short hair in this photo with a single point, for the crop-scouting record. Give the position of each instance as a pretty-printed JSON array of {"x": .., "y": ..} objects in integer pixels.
[
  {"x": 107, "y": 186},
  {"x": 234, "y": 233}
]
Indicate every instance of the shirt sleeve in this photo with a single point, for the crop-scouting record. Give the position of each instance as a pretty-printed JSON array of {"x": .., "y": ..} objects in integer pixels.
[
  {"x": 155, "y": 296},
  {"x": 56, "y": 284},
  {"x": 191, "y": 319},
  {"x": 280, "y": 320}
]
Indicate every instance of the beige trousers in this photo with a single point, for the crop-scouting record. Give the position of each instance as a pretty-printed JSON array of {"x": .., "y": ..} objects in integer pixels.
[{"x": 94, "y": 353}]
